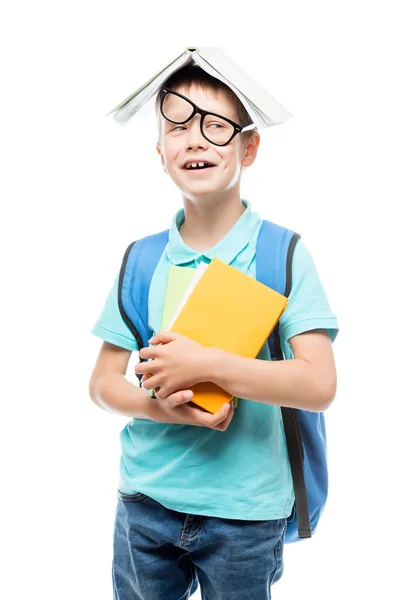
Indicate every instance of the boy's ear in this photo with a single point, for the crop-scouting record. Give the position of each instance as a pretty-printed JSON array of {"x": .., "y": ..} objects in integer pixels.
[
  {"x": 158, "y": 148},
  {"x": 251, "y": 149}
]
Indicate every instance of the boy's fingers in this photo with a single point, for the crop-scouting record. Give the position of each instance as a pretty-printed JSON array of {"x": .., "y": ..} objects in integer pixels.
[
  {"x": 201, "y": 416},
  {"x": 179, "y": 398},
  {"x": 223, "y": 412},
  {"x": 219, "y": 416},
  {"x": 223, "y": 424}
]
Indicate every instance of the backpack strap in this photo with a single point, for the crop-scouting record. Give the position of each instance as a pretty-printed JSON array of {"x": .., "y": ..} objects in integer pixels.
[
  {"x": 139, "y": 263},
  {"x": 274, "y": 256},
  {"x": 275, "y": 245}
]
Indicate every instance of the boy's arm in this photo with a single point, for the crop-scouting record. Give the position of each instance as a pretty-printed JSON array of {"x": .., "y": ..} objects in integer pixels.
[
  {"x": 109, "y": 388},
  {"x": 307, "y": 382}
]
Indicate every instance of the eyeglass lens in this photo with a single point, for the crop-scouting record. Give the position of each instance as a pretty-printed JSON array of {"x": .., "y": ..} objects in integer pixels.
[{"x": 215, "y": 129}]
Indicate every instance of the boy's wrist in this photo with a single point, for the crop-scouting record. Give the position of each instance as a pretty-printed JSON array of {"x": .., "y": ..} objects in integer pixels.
[
  {"x": 154, "y": 409},
  {"x": 213, "y": 364}
]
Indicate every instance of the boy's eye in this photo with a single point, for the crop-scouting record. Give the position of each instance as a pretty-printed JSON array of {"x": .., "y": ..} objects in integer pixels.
[
  {"x": 216, "y": 125},
  {"x": 177, "y": 128}
]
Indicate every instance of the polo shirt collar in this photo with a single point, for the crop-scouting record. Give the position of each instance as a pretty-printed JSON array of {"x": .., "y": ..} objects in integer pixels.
[{"x": 226, "y": 250}]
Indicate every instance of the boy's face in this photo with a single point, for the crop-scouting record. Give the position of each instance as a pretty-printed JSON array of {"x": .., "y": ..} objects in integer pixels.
[{"x": 182, "y": 144}]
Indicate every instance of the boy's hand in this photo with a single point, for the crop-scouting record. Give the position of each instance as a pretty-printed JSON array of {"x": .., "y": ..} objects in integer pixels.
[
  {"x": 179, "y": 410},
  {"x": 177, "y": 363}
]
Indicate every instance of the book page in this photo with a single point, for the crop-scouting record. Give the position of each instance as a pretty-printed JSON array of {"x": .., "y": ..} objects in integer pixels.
[
  {"x": 258, "y": 102},
  {"x": 144, "y": 86},
  {"x": 130, "y": 106},
  {"x": 196, "y": 278}
]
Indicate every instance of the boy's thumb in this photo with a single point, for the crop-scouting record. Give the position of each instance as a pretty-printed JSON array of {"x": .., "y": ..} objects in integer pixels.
[
  {"x": 162, "y": 337},
  {"x": 188, "y": 395}
]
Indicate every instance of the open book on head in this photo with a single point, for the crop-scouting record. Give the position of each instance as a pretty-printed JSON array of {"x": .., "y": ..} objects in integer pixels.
[{"x": 262, "y": 108}]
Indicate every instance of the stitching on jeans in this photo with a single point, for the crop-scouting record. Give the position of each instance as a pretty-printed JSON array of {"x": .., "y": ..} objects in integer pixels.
[
  {"x": 199, "y": 530},
  {"x": 187, "y": 595},
  {"x": 184, "y": 537},
  {"x": 280, "y": 542},
  {"x": 131, "y": 497},
  {"x": 275, "y": 556}
]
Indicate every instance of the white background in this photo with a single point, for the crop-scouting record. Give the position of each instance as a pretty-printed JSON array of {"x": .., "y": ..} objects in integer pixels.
[{"x": 77, "y": 188}]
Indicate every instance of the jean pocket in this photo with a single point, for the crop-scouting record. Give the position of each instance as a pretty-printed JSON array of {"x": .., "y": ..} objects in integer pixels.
[{"x": 131, "y": 497}]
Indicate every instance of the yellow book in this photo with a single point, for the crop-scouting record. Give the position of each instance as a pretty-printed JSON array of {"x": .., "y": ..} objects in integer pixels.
[{"x": 230, "y": 310}]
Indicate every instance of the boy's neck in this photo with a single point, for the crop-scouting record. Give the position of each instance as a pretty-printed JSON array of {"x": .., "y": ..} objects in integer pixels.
[{"x": 205, "y": 226}]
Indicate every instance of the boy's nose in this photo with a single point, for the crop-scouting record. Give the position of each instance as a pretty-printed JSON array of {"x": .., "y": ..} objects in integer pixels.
[{"x": 194, "y": 136}]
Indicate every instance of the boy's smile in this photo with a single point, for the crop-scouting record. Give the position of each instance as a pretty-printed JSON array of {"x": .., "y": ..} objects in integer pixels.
[{"x": 198, "y": 165}]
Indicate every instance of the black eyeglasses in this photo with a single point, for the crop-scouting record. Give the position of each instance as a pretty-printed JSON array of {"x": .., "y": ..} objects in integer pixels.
[{"x": 216, "y": 129}]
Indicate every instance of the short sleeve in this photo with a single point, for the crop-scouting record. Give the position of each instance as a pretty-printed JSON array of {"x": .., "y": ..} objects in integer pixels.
[
  {"x": 308, "y": 306},
  {"x": 110, "y": 325}
]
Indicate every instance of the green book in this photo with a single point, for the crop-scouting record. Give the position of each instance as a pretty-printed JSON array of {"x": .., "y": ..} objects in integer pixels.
[{"x": 179, "y": 279}]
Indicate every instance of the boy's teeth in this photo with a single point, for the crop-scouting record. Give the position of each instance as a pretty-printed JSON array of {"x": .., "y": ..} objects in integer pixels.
[{"x": 195, "y": 165}]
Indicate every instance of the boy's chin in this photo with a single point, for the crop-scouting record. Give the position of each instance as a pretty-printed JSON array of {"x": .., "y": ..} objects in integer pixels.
[
  {"x": 206, "y": 187},
  {"x": 192, "y": 194},
  {"x": 200, "y": 189}
]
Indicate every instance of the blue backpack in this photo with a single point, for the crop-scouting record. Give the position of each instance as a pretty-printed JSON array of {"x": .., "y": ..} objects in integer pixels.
[{"x": 304, "y": 430}]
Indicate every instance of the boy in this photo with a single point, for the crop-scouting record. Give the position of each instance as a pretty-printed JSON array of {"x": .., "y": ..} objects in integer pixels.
[{"x": 204, "y": 498}]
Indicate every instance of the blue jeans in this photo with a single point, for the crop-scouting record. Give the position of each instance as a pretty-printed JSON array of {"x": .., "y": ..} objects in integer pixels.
[{"x": 161, "y": 554}]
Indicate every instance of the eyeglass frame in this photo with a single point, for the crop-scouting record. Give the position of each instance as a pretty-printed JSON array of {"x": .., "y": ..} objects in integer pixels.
[{"x": 203, "y": 113}]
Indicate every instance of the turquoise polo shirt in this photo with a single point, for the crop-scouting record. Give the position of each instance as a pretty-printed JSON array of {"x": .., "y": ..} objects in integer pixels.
[{"x": 243, "y": 472}]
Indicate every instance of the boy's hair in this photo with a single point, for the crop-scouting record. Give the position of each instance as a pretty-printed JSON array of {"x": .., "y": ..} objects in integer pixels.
[{"x": 195, "y": 75}]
